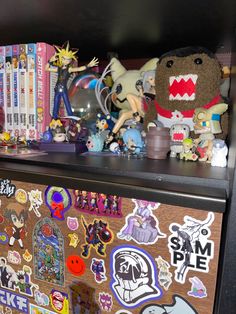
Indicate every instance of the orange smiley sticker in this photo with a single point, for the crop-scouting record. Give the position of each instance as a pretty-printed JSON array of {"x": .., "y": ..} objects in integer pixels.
[{"x": 76, "y": 265}]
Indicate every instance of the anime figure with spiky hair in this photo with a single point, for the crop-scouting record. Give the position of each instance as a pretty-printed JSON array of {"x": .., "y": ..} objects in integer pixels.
[{"x": 61, "y": 63}]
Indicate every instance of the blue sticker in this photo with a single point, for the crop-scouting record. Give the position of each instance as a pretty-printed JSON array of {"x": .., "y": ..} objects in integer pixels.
[{"x": 15, "y": 301}]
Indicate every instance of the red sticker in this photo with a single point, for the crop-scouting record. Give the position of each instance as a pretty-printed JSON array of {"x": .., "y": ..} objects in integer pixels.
[{"x": 76, "y": 265}]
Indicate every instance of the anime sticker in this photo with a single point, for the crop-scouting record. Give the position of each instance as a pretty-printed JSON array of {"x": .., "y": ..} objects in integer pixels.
[
  {"x": 7, "y": 188},
  {"x": 59, "y": 301},
  {"x": 58, "y": 200},
  {"x": 105, "y": 301},
  {"x": 14, "y": 257},
  {"x": 142, "y": 226},
  {"x": 179, "y": 306},
  {"x": 198, "y": 290},
  {"x": 48, "y": 244},
  {"x": 190, "y": 247},
  {"x": 98, "y": 204},
  {"x": 35, "y": 309},
  {"x": 83, "y": 299},
  {"x": 35, "y": 198},
  {"x": 74, "y": 239},
  {"x": 41, "y": 298},
  {"x": 97, "y": 235},
  {"x": 72, "y": 223},
  {"x": 17, "y": 216},
  {"x": 98, "y": 269},
  {"x": 133, "y": 276},
  {"x": 14, "y": 301},
  {"x": 164, "y": 275}
]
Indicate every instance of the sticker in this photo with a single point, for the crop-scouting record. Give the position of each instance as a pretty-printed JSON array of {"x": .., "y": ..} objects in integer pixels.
[
  {"x": 105, "y": 301},
  {"x": 27, "y": 256},
  {"x": 82, "y": 299},
  {"x": 5, "y": 310},
  {"x": 164, "y": 275},
  {"x": 3, "y": 238},
  {"x": 98, "y": 269},
  {"x": 6, "y": 188},
  {"x": 58, "y": 200},
  {"x": 14, "y": 301},
  {"x": 134, "y": 277},
  {"x": 48, "y": 244},
  {"x": 142, "y": 226},
  {"x": 59, "y": 301},
  {"x": 72, "y": 223},
  {"x": 21, "y": 196},
  {"x": 98, "y": 204},
  {"x": 24, "y": 284},
  {"x": 35, "y": 309},
  {"x": 35, "y": 198},
  {"x": 75, "y": 265},
  {"x": 179, "y": 305},
  {"x": 1, "y": 218},
  {"x": 97, "y": 235},
  {"x": 124, "y": 312},
  {"x": 74, "y": 239},
  {"x": 189, "y": 246},
  {"x": 14, "y": 257},
  {"x": 198, "y": 290},
  {"x": 41, "y": 298},
  {"x": 17, "y": 216}
]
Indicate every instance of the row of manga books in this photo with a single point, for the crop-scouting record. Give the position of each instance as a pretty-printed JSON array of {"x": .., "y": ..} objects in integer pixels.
[{"x": 26, "y": 94}]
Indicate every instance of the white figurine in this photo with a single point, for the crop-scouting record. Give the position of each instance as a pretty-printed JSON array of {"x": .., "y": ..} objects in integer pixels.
[{"x": 219, "y": 153}]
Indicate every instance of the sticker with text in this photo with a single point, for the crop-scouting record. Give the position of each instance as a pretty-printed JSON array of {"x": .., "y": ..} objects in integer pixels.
[
  {"x": 7, "y": 188},
  {"x": 14, "y": 301}
]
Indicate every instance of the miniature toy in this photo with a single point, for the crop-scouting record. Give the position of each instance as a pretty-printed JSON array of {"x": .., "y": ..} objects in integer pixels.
[
  {"x": 187, "y": 153},
  {"x": 95, "y": 142},
  {"x": 178, "y": 133},
  {"x": 63, "y": 58},
  {"x": 133, "y": 141},
  {"x": 104, "y": 122},
  {"x": 207, "y": 123},
  {"x": 219, "y": 153}
]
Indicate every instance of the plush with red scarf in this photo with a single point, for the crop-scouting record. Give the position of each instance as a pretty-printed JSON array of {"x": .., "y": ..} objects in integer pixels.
[{"x": 186, "y": 78}]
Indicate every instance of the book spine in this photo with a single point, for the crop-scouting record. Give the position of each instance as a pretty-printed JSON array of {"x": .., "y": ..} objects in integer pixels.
[
  {"x": 31, "y": 91},
  {"x": 15, "y": 90},
  {"x": 2, "y": 86},
  {"x": 23, "y": 93},
  {"x": 8, "y": 89},
  {"x": 44, "y": 53}
]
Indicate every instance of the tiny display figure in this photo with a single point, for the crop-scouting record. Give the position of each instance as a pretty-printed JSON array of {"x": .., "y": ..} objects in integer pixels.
[{"x": 61, "y": 63}]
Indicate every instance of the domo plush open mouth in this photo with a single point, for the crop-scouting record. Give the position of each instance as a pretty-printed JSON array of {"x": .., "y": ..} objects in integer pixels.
[{"x": 182, "y": 87}]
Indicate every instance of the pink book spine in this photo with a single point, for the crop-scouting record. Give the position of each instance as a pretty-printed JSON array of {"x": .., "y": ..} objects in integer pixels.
[{"x": 44, "y": 53}]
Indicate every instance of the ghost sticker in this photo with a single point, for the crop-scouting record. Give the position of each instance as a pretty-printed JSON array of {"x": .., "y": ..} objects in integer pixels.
[
  {"x": 35, "y": 198},
  {"x": 189, "y": 246},
  {"x": 142, "y": 226},
  {"x": 179, "y": 306},
  {"x": 133, "y": 276},
  {"x": 198, "y": 290}
]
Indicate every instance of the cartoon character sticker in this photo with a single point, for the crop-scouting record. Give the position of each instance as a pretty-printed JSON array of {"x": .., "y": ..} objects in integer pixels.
[
  {"x": 179, "y": 306},
  {"x": 98, "y": 269},
  {"x": 41, "y": 298},
  {"x": 59, "y": 301},
  {"x": 164, "y": 275},
  {"x": 35, "y": 309},
  {"x": 97, "y": 235},
  {"x": 14, "y": 257},
  {"x": 72, "y": 223},
  {"x": 198, "y": 290},
  {"x": 134, "y": 278},
  {"x": 142, "y": 226},
  {"x": 190, "y": 247},
  {"x": 105, "y": 301},
  {"x": 35, "y": 198},
  {"x": 21, "y": 196},
  {"x": 74, "y": 239}
]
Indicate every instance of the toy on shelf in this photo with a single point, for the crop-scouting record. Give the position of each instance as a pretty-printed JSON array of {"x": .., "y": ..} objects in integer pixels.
[
  {"x": 219, "y": 153},
  {"x": 63, "y": 60},
  {"x": 133, "y": 143},
  {"x": 178, "y": 133},
  {"x": 104, "y": 122},
  {"x": 188, "y": 152},
  {"x": 207, "y": 124},
  {"x": 186, "y": 79}
]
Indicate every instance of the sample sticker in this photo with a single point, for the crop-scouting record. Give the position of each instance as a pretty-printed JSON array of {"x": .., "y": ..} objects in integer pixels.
[
  {"x": 134, "y": 278},
  {"x": 75, "y": 265},
  {"x": 17, "y": 216},
  {"x": 21, "y": 196},
  {"x": 98, "y": 204},
  {"x": 59, "y": 301},
  {"x": 105, "y": 301},
  {"x": 198, "y": 290},
  {"x": 35, "y": 198},
  {"x": 74, "y": 239},
  {"x": 179, "y": 306},
  {"x": 72, "y": 223},
  {"x": 58, "y": 200},
  {"x": 142, "y": 226},
  {"x": 97, "y": 235},
  {"x": 189, "y": 246},
  {"x": 98, "y": 269},
  {"x": 14, "y": 257},
  {"x": 164, "y": 275},
  {"x": 6, "y": 188},
  {"x": 83, "y": 299},
  {"x": 35, "y": 309},
  {"x": 14, "y": 301},
  {"x": 48, "y": 244},
  {"x": 41, "y": 298}
]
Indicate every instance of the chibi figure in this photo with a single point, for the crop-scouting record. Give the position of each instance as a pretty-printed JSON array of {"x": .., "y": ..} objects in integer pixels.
[
  {"x": 64, "y": 58},
  {"x": 178, "y": 133},
  {"x": 104, "y": 122},
  {"x": 84, "y": 200},
  {"x": 93, "y": 202},
  {"x": 16, "y": 230},
  {"x": 97, "y": 235},
  {"x": 115, "y": 205},
  {"x": 106, "y": 203},
  {"x": 99, "y": 270},
  {"x": 132, "y": 141}
]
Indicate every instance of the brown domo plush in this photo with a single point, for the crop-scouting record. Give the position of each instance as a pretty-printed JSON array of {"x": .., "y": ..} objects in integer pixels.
[{"x": 186, "y": 78}]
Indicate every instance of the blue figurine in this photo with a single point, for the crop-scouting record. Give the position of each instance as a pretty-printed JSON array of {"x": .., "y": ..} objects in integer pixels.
[{"x": 133, "y": 141}]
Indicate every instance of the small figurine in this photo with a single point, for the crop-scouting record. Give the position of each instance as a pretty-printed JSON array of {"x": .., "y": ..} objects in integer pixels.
[
  {"x": 63, "y": 60},
  {"x": 59, "y": 134},
  {"x": 104, "y": 122},
  {"x": 219, "y": 153},
  {"x": 188, "y": 153},
  {"x": 76, "y": 131},
  {"x": 207, "y": 123},
  {"x": 178, "y": 133},
  {"x": 95, "y": 142},
  {"x": 133, "y": 141}
]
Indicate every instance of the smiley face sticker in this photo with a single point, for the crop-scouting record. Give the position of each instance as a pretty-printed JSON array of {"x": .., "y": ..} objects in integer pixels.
[{"x": 76, "y": 265}]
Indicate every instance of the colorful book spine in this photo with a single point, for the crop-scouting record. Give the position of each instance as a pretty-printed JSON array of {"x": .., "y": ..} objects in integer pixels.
[
  {"x": 23, "y": 81},
  {"x": 8, "y": 90},
  {"x": 15, "y": 90},
  {"x": 31, "y": 91},
  {"x": 2, "y": 82},
  {"x": 44, "y": 53}
]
